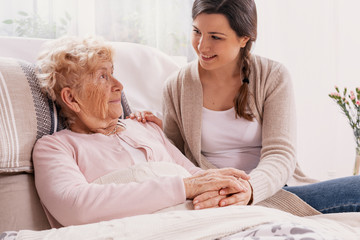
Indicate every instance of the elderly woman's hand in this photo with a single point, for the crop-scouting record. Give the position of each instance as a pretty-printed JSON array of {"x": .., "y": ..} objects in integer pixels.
[
  {"x": 224, "y": 180},
  {"x": 224, "y": 197},
  {"x": 146, "y": 116}
]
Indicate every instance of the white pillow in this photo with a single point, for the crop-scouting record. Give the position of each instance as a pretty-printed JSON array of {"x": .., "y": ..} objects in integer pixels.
[{"x": 142, "y": 70}]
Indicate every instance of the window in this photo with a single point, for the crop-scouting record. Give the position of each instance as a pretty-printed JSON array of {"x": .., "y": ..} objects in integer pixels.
[{"x": 163, "y": 24}]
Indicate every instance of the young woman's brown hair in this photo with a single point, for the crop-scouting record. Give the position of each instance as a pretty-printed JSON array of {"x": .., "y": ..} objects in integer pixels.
[{"x": 242, "y": 17}]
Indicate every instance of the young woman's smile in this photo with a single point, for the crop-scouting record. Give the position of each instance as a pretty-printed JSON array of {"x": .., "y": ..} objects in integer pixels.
[{"x": 207, "y": 58}]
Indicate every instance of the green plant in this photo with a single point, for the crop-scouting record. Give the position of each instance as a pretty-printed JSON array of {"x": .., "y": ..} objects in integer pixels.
[
  {"x": 32, "y": 25},
  {"x": 349, "y": 102}
]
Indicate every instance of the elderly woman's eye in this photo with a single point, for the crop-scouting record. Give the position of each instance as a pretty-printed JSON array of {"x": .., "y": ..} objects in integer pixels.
[{"x": 104, "y": 76}]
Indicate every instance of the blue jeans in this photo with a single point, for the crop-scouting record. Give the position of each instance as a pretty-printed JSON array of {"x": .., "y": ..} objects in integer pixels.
[{"x": 332, "y": 196}]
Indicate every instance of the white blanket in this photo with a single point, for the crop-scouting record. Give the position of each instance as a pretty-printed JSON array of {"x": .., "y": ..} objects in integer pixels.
[{"x": 200, "y": 224}]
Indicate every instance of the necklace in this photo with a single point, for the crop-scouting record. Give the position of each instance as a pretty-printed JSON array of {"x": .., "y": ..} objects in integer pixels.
[{"x": 119, "y": 124}]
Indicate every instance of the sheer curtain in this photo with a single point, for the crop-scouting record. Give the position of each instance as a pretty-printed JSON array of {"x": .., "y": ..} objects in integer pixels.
[
  {"x": 317, "y": 40},
  {"x": 163, "y": 24}
]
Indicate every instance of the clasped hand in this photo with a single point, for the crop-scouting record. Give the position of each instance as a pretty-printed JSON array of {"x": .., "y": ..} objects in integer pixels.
[{"x": 218, "y": 188}]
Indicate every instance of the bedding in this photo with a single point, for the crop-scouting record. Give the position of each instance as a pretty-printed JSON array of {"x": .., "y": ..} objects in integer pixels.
[
  {"x": 9, "y": 235},
  {"x": 279, "y": 231},
  {"x": 234, "y": 222},
  {"x": 214, "y": 223}
]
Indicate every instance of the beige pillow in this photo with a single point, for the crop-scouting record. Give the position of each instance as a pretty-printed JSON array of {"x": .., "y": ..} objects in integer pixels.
[
  {"x": 20, "y": 206},
  {"x": 26, "y": 114}
]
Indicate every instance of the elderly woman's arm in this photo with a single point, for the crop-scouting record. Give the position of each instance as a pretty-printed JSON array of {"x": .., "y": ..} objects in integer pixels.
[{"x": 72, "y": 200}]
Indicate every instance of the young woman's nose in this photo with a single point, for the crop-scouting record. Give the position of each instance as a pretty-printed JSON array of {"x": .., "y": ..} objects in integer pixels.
[{"x": 203, "y": 44}]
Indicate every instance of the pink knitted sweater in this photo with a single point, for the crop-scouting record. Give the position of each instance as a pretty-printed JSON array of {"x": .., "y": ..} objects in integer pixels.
[{"x": 66, "y": 163}]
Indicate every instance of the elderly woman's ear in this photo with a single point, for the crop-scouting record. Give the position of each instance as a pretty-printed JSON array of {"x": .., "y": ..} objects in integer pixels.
[{"x": 68, "y": 98}]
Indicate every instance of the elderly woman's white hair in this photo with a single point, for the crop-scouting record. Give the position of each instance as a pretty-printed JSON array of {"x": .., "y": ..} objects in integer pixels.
[{"x": 65, "y": 61}]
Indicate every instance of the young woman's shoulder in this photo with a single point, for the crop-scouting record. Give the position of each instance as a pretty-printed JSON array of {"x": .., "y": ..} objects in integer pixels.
[
  {"x": 186, "y": 77},
  {"x": 188, "y": 72},
  {"x": 266, "y": 64},
  {"x": 269, "y": 72}
]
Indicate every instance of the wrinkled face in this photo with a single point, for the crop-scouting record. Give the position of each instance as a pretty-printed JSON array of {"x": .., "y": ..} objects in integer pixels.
[
  {"x": 215, "y": 42},
  {"x": 100, "y": 97}
]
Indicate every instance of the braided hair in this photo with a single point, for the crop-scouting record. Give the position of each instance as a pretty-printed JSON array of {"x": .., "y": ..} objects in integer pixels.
[{"x": 242, "y": 17}]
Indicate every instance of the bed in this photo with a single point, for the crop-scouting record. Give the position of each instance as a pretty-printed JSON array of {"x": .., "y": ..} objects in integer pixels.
[{"x": 26, "y": 115}]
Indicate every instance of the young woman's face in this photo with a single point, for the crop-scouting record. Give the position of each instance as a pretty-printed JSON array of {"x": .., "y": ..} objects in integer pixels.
[{"x": 214, "y": 41}]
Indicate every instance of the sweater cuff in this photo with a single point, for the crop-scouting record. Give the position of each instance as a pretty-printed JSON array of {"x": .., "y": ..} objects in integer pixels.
[
  {"x": 260, "y": 189},
  {"x": 179, "y": 190}
]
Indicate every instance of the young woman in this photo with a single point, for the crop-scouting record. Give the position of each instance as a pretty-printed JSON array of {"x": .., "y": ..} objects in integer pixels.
[{"x": 230, "y": 108}]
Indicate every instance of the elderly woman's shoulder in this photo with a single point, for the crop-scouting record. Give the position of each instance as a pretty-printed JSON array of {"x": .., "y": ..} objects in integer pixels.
[
  {"x": 59, "y": 136},
  {"x": 132, "y": 124},
  {"x": 133, "y": 127},
  {"x": 58, "y": 140}
]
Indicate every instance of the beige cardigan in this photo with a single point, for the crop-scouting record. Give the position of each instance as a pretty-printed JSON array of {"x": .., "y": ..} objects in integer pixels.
[{"x": 272, "y": 103}]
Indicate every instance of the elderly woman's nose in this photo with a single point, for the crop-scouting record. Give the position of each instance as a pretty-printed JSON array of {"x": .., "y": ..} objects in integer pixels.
[{"x": 117, "y": 85}]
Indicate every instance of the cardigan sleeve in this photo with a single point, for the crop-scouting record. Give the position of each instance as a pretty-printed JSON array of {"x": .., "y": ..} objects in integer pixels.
[
  {"x": 278, "y": 154},
  {"x": 71, "y": 200},
  {"x": 171, "y": 115}
]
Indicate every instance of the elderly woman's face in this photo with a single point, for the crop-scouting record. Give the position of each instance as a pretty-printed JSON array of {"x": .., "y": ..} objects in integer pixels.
[{"x": 100, "y": 97}]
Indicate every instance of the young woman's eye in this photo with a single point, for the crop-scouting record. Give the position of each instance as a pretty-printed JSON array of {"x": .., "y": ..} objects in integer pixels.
[
  {"x": 216, "y": 38},
  {"x": 196, "y": 31}
]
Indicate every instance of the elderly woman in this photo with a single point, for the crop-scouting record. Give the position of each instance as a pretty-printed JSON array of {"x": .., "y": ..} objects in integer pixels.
[{"x": 71, "y": 165}]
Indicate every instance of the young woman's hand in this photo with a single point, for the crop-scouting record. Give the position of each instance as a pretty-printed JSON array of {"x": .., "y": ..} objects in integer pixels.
[
  {"x": 146, "y": 116},
  {"x": 226, "y": 172},
  {"x": 224, "y": 197},
  {"x": 225, "y": 181}
]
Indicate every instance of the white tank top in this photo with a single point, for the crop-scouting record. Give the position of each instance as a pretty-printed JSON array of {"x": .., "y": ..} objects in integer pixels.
[{"x": 227, "y": 141}]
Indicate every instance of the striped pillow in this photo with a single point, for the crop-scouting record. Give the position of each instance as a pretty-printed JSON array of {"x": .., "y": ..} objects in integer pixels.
[{"x": 26, "y": 114}]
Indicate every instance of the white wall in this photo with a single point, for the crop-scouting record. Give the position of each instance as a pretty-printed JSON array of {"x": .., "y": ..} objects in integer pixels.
[{"x": 319, "y": 42}]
